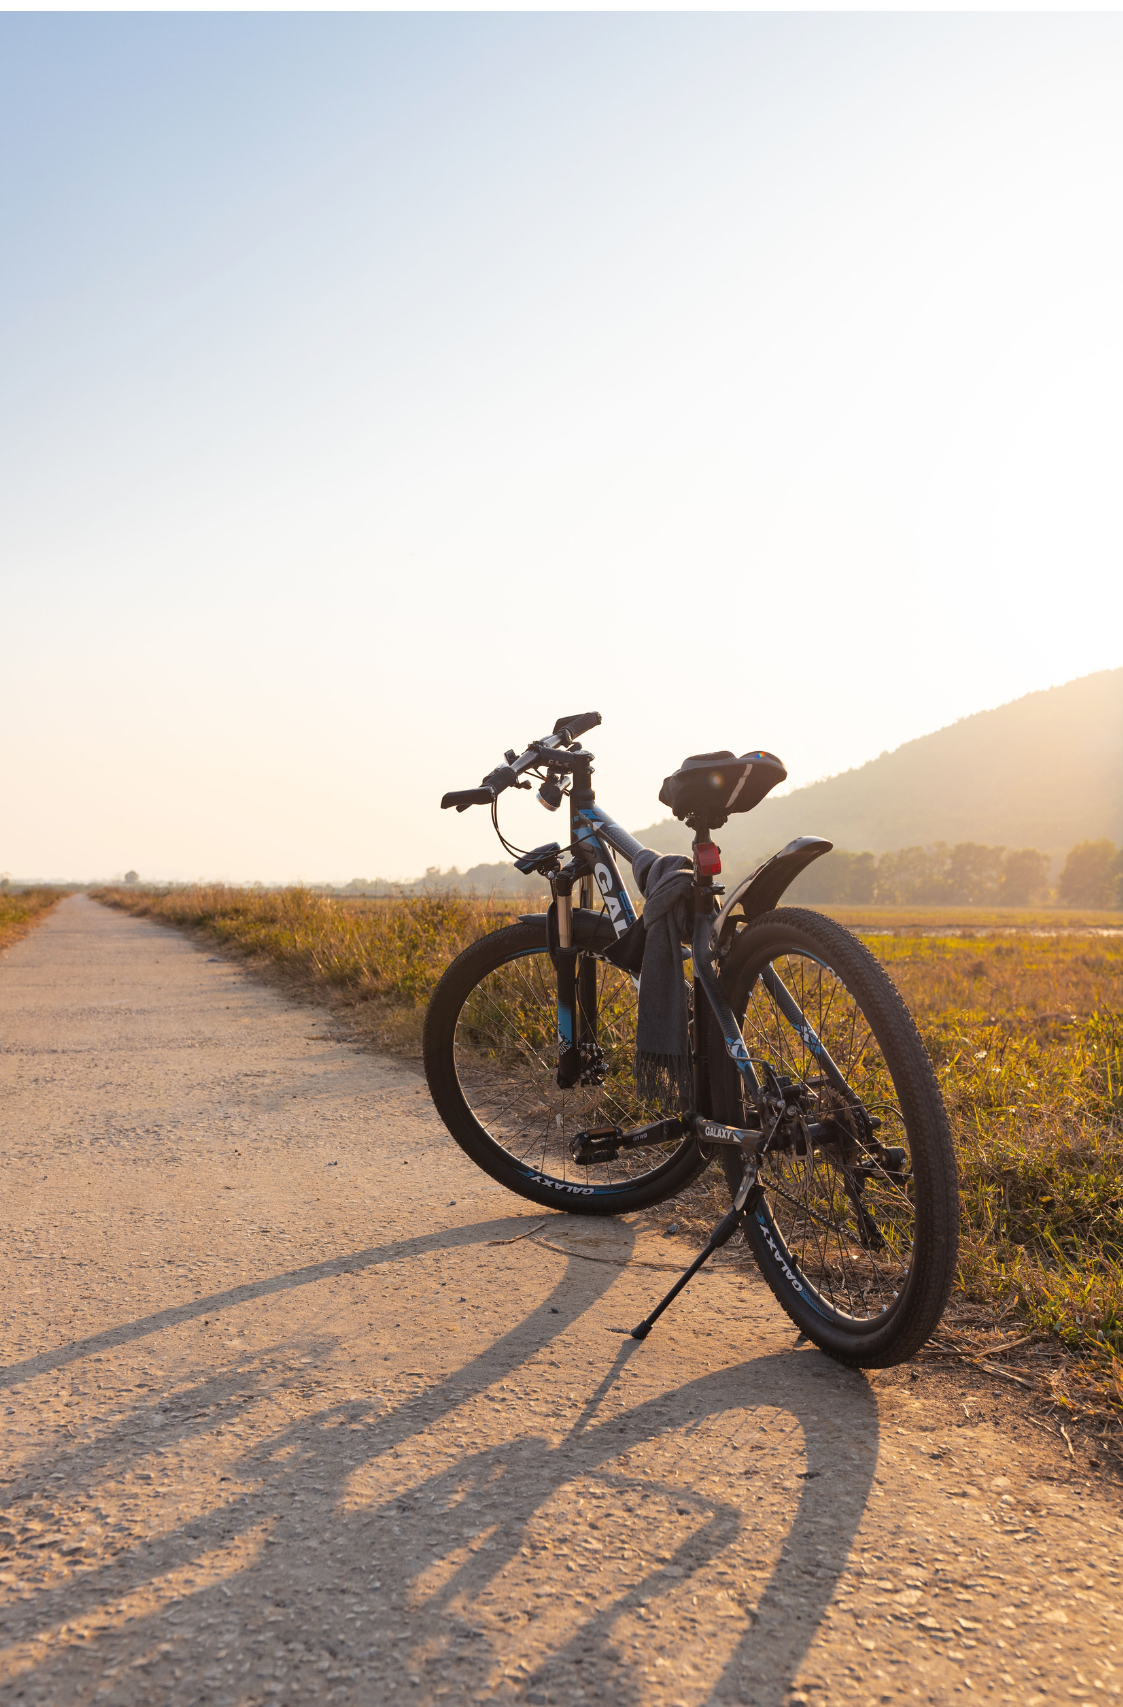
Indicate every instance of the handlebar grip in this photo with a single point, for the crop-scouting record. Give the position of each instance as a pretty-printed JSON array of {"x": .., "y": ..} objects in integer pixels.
[
  {"x": 500, "y": 778},
  {"x": 466, "y": 797},
  {"x": 571, "y": 727}
]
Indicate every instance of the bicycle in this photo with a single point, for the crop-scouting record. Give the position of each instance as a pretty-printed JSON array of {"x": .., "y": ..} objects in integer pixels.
[{"x": 809, "y": 1077}]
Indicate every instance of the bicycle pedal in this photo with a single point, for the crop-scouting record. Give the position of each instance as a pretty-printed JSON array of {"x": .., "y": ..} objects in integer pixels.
[{"x": 602, "y": 1144}]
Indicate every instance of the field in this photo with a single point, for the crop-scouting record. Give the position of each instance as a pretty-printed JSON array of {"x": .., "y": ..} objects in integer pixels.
[
  {"x": 21, "y": 909},
  {"x": 1023, "y": 1016}
]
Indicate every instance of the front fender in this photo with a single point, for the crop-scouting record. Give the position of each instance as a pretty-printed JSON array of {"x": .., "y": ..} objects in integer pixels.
[{"x": 760, "y": 892}]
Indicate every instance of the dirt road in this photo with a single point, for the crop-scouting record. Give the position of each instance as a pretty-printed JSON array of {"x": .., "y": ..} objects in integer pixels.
[{"x": 297, "y": 1408}]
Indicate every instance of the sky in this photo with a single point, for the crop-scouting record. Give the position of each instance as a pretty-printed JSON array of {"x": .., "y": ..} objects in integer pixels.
[{"x": 378, "y": 388}]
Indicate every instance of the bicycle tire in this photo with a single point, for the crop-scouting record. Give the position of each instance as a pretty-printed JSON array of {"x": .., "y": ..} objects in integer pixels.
[
  {"x": 490, "y": 1053},
  {"x": 814, "y": 1233}
]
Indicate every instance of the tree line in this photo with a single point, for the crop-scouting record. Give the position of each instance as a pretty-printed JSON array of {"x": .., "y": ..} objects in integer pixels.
[{"x": 970, "y": 874}]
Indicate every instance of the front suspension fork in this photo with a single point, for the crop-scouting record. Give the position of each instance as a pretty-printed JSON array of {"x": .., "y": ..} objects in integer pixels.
[
  {"x": 577, "y": 986},
  {"x": 569, "y": 1058},
  {"x": 586, "y": 980}
]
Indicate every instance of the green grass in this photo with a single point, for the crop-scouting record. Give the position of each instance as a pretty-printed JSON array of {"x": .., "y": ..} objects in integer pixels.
[{"x": 1025, "y": 1029}]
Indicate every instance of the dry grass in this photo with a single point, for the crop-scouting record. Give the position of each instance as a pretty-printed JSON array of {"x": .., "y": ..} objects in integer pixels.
[
  {"x": 378, "y": 960},
  {"x": 1026, "y": 1030},
  {"x": 22, "y": 909},
  {"x": 1027, "y": 1036}
]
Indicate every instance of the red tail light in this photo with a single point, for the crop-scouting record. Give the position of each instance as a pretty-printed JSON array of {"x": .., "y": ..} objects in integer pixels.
[{"x": 708, "y": 857}]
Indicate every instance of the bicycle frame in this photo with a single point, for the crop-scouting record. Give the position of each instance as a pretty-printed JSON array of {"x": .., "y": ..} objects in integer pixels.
[{"x": 597, "y": 839}]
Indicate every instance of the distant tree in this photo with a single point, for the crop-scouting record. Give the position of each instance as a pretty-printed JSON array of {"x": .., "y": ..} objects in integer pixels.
[
  {"x": 437, "y": 879},
  {"x": 860, "y": 877},
  {"x": 971, "y": 874},
  {"x": 837, "y": 876},
  {"x": 1024, "y": 876},
  {"x": 131, "y": 877},
  {"x": 1091, "y": 875},
  {"x": 974, "y": 874},
  {"x": 913, "y": 875}
]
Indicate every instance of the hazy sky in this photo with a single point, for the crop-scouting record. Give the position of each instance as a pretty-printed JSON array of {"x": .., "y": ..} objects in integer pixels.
[{"x": 378, "y": 388}]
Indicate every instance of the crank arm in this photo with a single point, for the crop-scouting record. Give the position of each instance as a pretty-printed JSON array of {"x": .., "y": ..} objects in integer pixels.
[
  {"x": 604, "y": 1143},
  {"x": 715, "y": 1132},
  {"x": 748, "y": 1137}
]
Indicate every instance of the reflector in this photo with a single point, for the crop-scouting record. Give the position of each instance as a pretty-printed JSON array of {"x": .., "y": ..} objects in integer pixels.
[{"x": 708, "y": 856}]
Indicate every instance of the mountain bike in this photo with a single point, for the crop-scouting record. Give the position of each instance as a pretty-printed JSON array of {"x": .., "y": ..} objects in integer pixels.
[{"x": 809, "y": 1078}]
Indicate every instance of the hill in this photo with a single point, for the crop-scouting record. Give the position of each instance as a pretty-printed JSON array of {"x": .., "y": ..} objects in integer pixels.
[{"x": 1044, "y": 771}]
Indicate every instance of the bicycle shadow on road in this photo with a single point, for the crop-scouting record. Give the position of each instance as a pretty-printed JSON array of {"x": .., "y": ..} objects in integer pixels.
[
  {"x": 496, "y": 1231},
  {"x": 452, "y": 1609}
]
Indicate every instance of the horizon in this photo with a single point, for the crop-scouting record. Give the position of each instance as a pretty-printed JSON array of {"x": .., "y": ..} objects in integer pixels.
[
  {"x": 324, "y": 882},
  {"x": 380, "y": 388}
]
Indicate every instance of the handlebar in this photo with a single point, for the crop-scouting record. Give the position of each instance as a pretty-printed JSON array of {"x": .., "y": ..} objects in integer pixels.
[
  {"x": 569, "y": 728},
  {"x": 566, "y": 731}
]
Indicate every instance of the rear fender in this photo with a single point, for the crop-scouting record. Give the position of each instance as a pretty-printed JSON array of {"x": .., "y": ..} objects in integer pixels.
[{"x": 760, "y": 892}]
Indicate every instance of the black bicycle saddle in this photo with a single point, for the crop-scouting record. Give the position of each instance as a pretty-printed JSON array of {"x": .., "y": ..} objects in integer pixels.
[{"x": 707, "y": 787}]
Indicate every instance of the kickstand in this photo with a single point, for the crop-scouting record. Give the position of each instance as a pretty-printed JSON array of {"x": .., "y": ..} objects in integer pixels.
[{"x": 721, "y": 1234}]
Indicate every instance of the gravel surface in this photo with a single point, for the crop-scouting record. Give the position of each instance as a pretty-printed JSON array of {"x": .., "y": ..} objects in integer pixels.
[{"x": 298, "y": 1407}]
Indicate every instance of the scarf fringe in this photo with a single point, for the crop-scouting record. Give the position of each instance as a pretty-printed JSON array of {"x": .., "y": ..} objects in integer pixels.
[{"x": 667, "y": 1080}]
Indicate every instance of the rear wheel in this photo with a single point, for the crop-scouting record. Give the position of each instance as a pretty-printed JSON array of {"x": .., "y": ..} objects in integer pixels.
[
  {"x": 491, "y": 1059},
  {"x": 857, "y": 1230}
]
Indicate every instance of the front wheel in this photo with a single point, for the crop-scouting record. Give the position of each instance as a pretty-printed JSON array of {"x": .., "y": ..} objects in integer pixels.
[
  {"x": 491, "y": 1060},
  {"x": 857, "y": 1229}
]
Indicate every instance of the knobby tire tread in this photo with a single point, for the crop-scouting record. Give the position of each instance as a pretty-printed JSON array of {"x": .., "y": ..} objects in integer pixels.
[{"x": 798, "y": 930}]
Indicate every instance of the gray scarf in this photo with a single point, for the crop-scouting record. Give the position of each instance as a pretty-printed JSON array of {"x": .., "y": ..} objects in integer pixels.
[{"x": 662, "y": 1065}]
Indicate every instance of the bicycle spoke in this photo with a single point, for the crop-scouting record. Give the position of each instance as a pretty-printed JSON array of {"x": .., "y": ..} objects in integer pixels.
[
  {"x": 851, "y": 1234},
  {"x": 506, "y": 1057}
]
